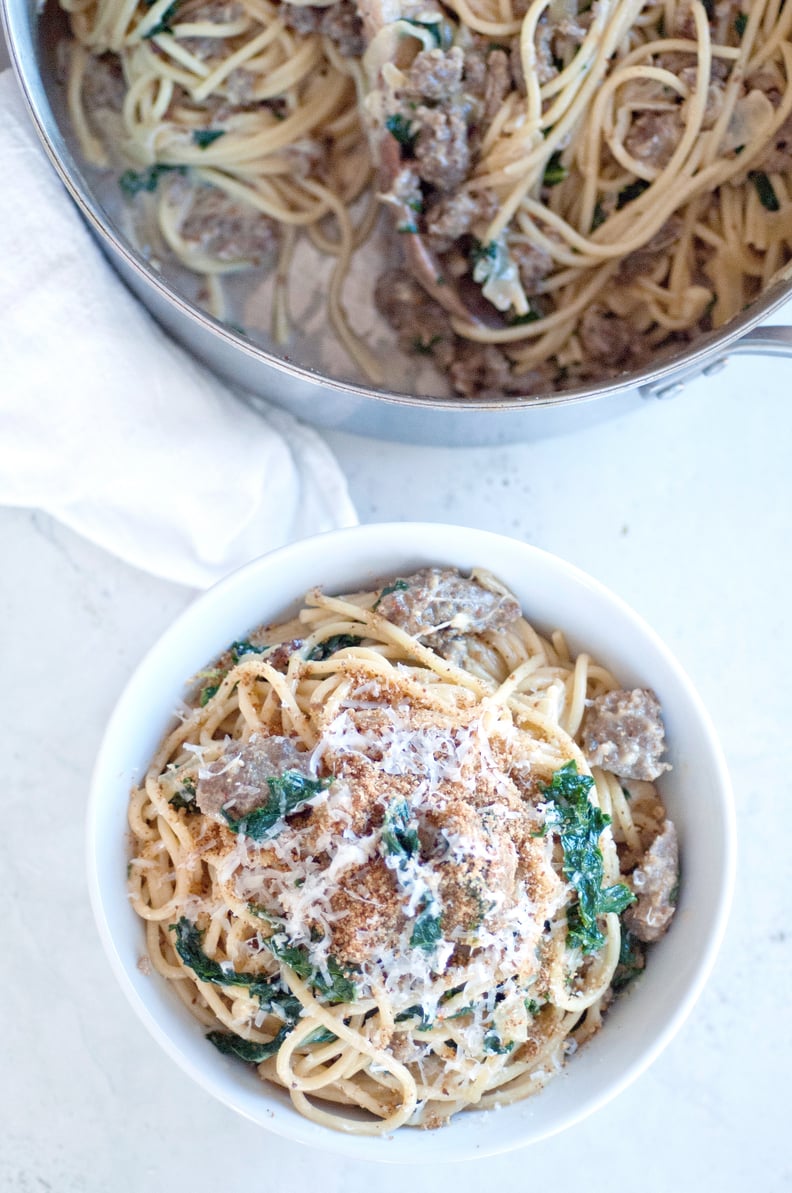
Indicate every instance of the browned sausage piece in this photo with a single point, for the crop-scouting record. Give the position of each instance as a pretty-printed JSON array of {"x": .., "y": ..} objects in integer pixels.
[
  {"x": 440, "y": 598},
  {"x": 237, "y": 781},
  {"x": 655, "y": 882},
  {"x": 228, "y": 229},
  {"x": 623, "y": 733}
]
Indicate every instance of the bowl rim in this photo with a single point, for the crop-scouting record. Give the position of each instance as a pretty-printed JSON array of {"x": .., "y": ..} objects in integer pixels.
[{"x": 296, "y": 1128}]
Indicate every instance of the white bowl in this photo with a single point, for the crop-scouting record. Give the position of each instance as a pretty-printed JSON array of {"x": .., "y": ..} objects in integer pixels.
[{"x": 553, "y": 594}]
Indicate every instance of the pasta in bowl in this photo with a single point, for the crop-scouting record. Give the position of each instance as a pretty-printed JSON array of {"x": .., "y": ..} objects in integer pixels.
[{"x": 380, "y": 858}]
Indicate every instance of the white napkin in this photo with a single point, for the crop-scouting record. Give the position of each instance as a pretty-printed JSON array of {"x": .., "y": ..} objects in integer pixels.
[{"x": 109, "y": 426}]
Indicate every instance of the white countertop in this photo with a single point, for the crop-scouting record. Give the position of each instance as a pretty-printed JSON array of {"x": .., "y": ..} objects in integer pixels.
[{"x": 685, "y": 509}]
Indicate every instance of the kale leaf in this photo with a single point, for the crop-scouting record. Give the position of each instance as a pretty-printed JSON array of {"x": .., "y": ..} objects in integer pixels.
[
  {"x": 460, "y": 1014},
  {"x": 554, "y": 171},
  {"x": 400, "y": 128},
  {"x": 248, "y": 1050},
  {"x": 238, "y": 649},
  {"x": 579, "y": 824},
  {"x": 425, "y": 347},
  {"x": 479, "y": 251},
  {"x": 400, "y": 840},
  {"x": 337, "y": 989},
  {"x": 185, "y": 797},
  {"x": 287, "y": 793},
  {"x": 631, "y": 961},
  {"x": 271, "y": 997},
  {"x": 261, "y": 913},
  {"x": 630, "y": 192},
  {"x": 204, "y": 137},
  {"x": 494, "y": 1044},
  {"x": 425, "y": 1022},
  {"x": 322, "y": 1035},
  {"x": 323, "y": 650},
  {"x": 764, "y": 189},
  {"x": 189, "y": 946},
  {"x": 132, "y": 182},
  {"x": 207, "y": 693},
  {"x": 427, "y": 929},
  {"x": 163, "y": 25},
  {"x": 483, "y": 905},
  {"x": 399, "y": 833},
  {"x": 441, "y": 35},
  {"x": 396, "y": 586},
  {"x": 740, "y": 23},
  {"x": 530, "y": 316},
  {"x": 295, "y": 956}
]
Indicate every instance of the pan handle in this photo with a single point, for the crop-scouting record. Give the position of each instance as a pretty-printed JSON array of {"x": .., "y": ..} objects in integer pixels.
[
  {"x": 764, "y": 341},
  {"x": 760, "y": 341}
]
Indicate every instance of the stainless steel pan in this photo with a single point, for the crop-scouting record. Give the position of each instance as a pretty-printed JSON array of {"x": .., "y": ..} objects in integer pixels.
[{"x": 344, "y": 405}]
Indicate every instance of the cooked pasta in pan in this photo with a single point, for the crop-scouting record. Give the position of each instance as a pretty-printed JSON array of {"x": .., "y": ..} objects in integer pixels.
[{"x": 574, "y": 188}]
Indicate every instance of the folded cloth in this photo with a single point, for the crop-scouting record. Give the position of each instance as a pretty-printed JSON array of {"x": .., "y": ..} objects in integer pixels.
[{"x": 112, "y": 428}]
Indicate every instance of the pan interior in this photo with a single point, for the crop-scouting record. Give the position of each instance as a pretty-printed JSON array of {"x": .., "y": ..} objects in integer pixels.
[
  {"x": 313, "y": 344},
  {"x": 312, "y": 341}
]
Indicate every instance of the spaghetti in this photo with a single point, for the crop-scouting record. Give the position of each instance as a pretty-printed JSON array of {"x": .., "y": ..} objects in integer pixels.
[
  {"x": 627, "y": 191},
  {"x": 577, "y": 187},
  {"x": 372, "y": 858},
  {"x": 245, "y": 131}
]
